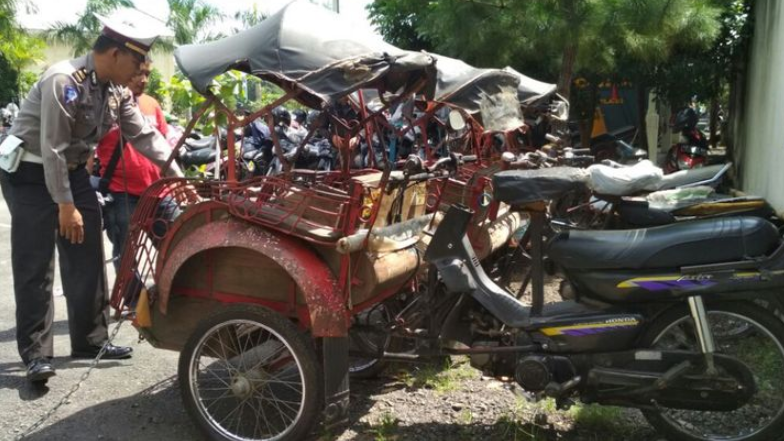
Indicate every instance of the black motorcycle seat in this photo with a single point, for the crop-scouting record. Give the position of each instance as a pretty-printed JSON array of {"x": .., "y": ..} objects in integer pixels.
[
  {"x": 198, "y": 157},
  {"x": 199, "y": 144},
  {"x": 520, "y": 187},
  {"x": 697, "y": 242}
]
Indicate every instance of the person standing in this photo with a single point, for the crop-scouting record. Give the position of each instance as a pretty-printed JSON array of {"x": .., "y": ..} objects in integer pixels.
[
  {"x": 129, "y": 174},
  {"x": 72, "y": 106}
]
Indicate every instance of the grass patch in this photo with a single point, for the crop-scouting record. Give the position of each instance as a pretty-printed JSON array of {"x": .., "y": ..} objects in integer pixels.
[
  {"x": 513, "y": 425},
  {"x": 593, "y": 417},
  {"x": 384, "y": 430},
  {"x": 441, "y": 379}
]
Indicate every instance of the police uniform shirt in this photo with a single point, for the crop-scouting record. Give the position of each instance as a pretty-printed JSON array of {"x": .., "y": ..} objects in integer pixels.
[{"x": 68, "y": 111}]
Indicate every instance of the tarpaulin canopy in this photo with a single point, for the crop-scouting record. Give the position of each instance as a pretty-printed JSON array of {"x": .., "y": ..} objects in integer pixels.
[
  {"x": 530, "y": 90},
  {"x": 466, "y": 86},
  {"x": 308, "y": 47}
]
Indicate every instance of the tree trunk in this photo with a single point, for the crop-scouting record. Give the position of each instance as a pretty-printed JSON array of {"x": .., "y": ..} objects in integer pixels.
[
  {"x": 567, "y": 68},
  {"x": 714, "y": 112},
  {"x": 586, "y": 128},
  {"x": 642, "y": 113}
]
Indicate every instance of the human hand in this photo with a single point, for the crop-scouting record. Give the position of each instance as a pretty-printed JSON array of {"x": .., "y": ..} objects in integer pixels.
[{"x": 71, "y": 223}]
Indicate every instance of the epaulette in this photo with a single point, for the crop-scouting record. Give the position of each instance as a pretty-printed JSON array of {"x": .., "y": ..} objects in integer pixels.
[{"x": 80, "y": 75}]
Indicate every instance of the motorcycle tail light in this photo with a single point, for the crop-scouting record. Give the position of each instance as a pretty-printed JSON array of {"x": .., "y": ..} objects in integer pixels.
[{"x": 684, "y": 163}]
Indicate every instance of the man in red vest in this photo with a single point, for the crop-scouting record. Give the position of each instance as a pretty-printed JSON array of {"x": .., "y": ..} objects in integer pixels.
[{"x": 132, "y": 173}]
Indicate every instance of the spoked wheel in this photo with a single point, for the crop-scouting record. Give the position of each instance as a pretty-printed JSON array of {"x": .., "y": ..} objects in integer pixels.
[
  {"x": 247, "y": 373},
  {"x": 369, "y": 342},
  {"x": 761, "y": 350}
]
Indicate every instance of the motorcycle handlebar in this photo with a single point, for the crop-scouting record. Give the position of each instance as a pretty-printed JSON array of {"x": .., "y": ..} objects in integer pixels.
[{"x": 552, "y": 138}]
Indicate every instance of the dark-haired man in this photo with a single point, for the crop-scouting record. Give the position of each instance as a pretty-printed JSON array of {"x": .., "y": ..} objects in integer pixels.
[{"x": 72, "y": 106}]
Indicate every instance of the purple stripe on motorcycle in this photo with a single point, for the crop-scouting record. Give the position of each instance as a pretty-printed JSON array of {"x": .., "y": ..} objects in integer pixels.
[
  {"x": 587, "y": 331},
  {"x": 670, "y": 284}
]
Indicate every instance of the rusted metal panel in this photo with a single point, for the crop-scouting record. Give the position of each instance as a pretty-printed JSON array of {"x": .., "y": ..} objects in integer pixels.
[{"x": 320, "y": 290}]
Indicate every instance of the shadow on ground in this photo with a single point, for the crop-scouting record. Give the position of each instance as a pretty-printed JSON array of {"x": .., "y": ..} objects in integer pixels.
[{"x": 155, "y": 413}]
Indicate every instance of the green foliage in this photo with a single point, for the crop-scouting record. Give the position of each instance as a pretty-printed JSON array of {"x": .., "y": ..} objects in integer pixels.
[
  {"x": 232, "y": 88},
  {"x": 707, "y": 73},
  {"x": 156, "y": 86},
  {"x": 400, "y": 22},
  {"x": 82, "y": 34},
  {"x": 190, "y": 19},
  {"x": 19, "y": 50},
  {"x": 22, "y": 49},
  {"x": 8, "y": 82},
  {"x": 249, "y": 18},
  {"x": 542, "y": 37},
  {"x": 7, "y": 17},
  {"x": 26, "y": 82}
]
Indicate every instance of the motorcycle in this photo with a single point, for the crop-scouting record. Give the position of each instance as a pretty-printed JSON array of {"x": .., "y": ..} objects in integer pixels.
[
  {"x": 691, "y": 151},
  {"x": 642, "y": 196},
  {"x": 7, "y": 116},
  {"x": 654, "y": 324}
]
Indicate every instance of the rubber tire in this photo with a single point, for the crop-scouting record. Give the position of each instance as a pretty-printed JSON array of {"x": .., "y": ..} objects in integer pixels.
[
  {"x": 300, "y": 344},
  {"x": 394, "y": 345},
  {"x": 764, "y": 318}
]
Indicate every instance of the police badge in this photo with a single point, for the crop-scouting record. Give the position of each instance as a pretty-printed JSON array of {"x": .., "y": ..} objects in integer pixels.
[{"x": 70, "y": 94}]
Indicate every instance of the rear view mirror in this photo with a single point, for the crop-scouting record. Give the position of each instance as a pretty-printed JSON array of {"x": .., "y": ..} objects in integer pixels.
[{"x": 456, "y": 121}]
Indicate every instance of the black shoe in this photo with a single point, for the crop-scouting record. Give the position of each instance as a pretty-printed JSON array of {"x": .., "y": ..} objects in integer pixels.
[
  {"x": 112, "y": 352},
  {"x": 40, "y": 370}
]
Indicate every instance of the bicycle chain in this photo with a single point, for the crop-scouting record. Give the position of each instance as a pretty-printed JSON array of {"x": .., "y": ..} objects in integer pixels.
[{"x": 45, "y": 417}]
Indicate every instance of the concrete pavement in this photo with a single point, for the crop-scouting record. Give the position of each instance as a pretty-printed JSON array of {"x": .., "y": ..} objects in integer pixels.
[{"x": 136, "y": 399}]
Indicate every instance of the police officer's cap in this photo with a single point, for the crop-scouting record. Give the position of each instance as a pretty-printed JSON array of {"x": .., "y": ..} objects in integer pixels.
[{"x": 131, "y": 36}]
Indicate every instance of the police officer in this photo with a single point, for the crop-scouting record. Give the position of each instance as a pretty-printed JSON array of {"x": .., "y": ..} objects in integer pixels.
[{"x": 51, "y": 201}]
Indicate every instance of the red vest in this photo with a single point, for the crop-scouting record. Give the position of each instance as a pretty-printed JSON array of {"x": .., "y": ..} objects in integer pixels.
[{"x": 141, "y": 172}]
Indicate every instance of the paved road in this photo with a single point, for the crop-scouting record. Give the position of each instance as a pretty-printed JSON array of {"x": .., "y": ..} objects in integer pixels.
[{"x": 135, "y": 399}]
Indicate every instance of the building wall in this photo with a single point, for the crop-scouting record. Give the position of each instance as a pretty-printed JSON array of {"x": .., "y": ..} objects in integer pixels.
[
  {"x": 760, "y": 147},
  {"x": 55, "y": 52}
]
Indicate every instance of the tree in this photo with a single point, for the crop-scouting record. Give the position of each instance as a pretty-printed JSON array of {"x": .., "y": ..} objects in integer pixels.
[
  {"x": 82, "y": 34},
  {"x": 8, "y": 82},
  {"x": 21, "y": 50},
  {"x": 399, "y": 22},
  {"x": 552, "y": 39},
  {"x": 190, "y": 20},
  {"x": 7, "y": 17},
  {"x": 249, "y": 18}
]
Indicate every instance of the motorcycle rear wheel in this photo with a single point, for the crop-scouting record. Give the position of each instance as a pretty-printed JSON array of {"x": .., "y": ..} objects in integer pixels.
[
  {"x": 761, "y": 350},
  {"x": 379, "y": 316}
]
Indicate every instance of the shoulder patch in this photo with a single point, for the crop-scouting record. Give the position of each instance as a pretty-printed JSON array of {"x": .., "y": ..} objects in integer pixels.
[{"x": 70, "y": 94}]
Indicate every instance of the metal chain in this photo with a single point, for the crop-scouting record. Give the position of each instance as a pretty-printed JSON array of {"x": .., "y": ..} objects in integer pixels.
[{"x": 32, "y": 428}]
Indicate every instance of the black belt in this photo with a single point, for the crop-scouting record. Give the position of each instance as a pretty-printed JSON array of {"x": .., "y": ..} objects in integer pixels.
[{"x": 75, "y": 166}]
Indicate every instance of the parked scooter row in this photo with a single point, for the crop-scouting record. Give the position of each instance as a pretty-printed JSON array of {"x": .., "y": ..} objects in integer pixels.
[
  {"x": 654, "y": 322},
  {"x": 642, "y": 196}
]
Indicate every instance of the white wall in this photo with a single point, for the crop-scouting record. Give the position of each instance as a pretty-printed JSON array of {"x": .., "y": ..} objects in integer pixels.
[
  {"x": 761, "y": 142},
  {"x": 55, "y": 52}
]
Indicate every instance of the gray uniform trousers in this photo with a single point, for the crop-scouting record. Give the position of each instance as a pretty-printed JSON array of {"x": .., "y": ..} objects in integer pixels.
[{"x": 34, "y": 224}]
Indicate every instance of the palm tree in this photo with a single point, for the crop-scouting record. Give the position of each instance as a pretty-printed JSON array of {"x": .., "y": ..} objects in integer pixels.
[
  {"x": 190, "y": 20},
  {"x": 82, "y": 34},
  {"x": 249, "y": 18}
]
